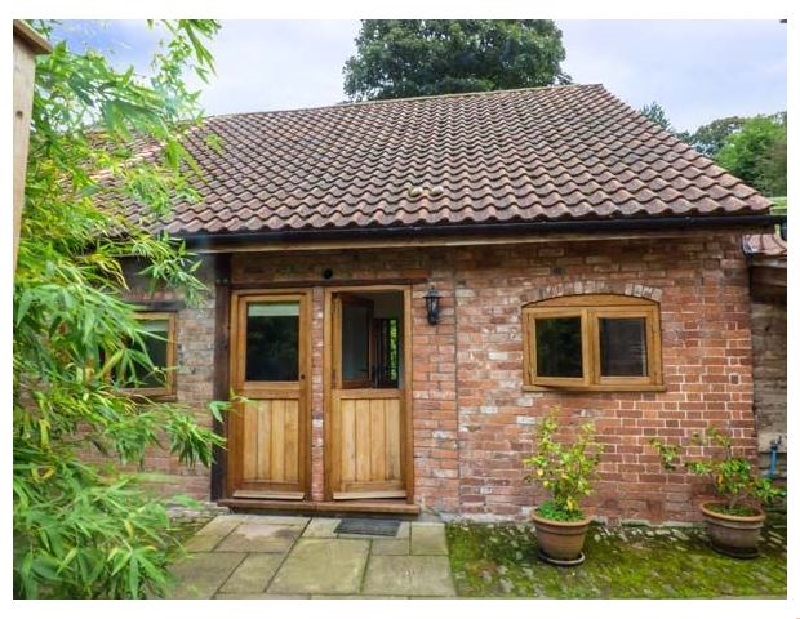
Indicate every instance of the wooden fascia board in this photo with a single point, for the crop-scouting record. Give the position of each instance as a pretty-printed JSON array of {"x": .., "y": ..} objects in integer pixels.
[
  {"x": 35, "y": 42},
  {"x": 466, "y": 241}
]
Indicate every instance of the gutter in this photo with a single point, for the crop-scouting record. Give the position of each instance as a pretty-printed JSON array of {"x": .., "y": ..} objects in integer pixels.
[{"x": 481, "y": 229}]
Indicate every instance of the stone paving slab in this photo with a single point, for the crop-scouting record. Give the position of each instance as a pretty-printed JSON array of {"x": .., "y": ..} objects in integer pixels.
[
  {"x": 428, "y": 539},
  {"x": 265, "y": 557},
  {"x": 281, "y": 520},
  {"x": 364, "y": 536},
  {"x": 404, "y": 531},
  {"x": 390, "y": 547},
  {"x": 221, "y": 525},
  {"x": 361, "y": 597},
  {"x": 322, "y": 566},
  {"x": 321, "y": 527},
  {"x": 203, "y": 543},
  {"x": 261, "y": 538},
  {"x": 200, "y": 575},
  {"x": 253, "y": 575},
  {"x": 258, "y": 596},
  {"x": 413, "y": 576}
]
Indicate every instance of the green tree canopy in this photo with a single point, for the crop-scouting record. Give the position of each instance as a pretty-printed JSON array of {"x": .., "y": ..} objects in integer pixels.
[
  {"x": 657, "y": 114},
  {"x": 83, "y": 530},
  {"x": 757, "y": 154},
  {"x": 709, "y": 139},
  {"x": 398, "y": 58},
  {"x": 751, "y": 148}
]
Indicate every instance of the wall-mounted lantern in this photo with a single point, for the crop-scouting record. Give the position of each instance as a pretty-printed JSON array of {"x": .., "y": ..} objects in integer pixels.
[{"x": 432, "y": 297}]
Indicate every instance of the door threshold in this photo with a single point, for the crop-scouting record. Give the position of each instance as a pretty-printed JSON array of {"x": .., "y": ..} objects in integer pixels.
[{"x": 363, "y": 507}]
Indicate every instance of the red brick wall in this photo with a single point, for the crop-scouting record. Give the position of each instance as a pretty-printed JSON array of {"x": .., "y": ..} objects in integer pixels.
[
  {"x": 702, "y": 289},
  {"x": 472, "y": 420}
]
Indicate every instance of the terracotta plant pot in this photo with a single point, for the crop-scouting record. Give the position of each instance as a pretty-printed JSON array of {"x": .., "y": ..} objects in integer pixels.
[
  {"x": 735, "y": 536},
  {"x": 560, "y": 543}
]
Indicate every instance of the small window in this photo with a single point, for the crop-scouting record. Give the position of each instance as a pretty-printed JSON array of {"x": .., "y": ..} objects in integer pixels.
[
  {"x": 593, "y": 343},
  {"x": 159, "y": 344}
]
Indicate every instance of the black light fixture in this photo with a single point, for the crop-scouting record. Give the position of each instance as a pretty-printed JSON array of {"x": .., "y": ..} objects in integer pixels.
[{"x": 432, "y": 305}]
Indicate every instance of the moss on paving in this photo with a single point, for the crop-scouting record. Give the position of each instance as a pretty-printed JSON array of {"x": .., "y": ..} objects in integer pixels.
[{"x": 501, "y": 560}]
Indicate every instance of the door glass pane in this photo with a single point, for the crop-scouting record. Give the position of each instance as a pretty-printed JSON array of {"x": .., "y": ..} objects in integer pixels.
[
  {"x": 559, "y": 348},
  {"x": 272, "y": 341},
  {"x": 355, "y": 342},
  {"x": 623, "y": 347},
  {"x": 386, "y": 347}
]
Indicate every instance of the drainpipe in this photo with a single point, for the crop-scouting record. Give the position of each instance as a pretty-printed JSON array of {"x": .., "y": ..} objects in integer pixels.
[{"x": 773, "y": 456}]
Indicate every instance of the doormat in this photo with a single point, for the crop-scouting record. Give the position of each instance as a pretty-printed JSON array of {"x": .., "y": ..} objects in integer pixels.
[{"x": 367, "y": 526}]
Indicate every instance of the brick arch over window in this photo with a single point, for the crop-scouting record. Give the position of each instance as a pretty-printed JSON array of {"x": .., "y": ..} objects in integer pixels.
[{"x": 629, "y": 289}]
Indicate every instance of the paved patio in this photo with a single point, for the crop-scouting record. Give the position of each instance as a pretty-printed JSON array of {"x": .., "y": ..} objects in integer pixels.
[{"x": 293, "y": 557}]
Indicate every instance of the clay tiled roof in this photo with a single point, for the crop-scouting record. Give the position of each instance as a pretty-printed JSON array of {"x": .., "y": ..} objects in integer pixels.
[
  {"x": 771, "y": 245},
  {"x": 555, "y": 153}
]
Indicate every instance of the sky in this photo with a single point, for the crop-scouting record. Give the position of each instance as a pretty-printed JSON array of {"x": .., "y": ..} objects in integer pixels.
[{"x": 698, "y": 70}]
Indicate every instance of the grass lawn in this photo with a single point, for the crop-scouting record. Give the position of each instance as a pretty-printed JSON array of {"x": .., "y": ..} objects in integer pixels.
[{"x": 501, "y": 560}]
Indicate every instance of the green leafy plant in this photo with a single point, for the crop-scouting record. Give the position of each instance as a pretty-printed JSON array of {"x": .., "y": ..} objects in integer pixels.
[
  {"x": 565, "y": 469},
  {"x": 735, "y": 481},
  {"x": 757, "y": 153},
  {"x": 85, "y": 524},
  {"x": 398, "y": 58}
]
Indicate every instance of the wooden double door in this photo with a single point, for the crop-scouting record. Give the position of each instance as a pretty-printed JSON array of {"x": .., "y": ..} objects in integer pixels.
[{"x": 365, "y": 394}]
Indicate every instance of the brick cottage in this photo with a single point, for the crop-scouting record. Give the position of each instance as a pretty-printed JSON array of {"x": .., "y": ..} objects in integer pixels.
[{"x": 401, "y": 290}]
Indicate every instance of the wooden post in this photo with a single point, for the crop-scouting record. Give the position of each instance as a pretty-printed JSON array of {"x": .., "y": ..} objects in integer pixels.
[
  {"x": 27, "y": 45},
  {"x": 222, "y": 301}
]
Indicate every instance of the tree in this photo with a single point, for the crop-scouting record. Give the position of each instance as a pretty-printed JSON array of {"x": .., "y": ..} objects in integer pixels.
[
  {"x": 82, "y": 530},
  {"x": 657, "y": 114},
  {"x": 709, "y": 139},
  {"x": 398, "y": 58},
  {"x": 757, "y": 154}
]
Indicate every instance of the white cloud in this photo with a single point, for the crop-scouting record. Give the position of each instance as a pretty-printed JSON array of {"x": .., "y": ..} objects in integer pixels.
[
  {"x": 278, "y": 64},
  {"x": 698, "y": 70}
]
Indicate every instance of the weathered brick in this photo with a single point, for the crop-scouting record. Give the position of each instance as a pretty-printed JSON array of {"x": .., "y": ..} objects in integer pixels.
[{"x": 468, "y": 375}]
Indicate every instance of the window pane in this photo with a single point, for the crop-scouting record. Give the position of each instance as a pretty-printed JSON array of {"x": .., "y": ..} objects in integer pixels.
[
  {"x": 386, "y": 352},
  {"x": 623, "y": 347},
  {"x": 273, "y": 341},
  {"x": 559, "y": 349},
  {"x": 355, "y": 342},
  {"x": 156, "y": 349},
  {"x": 155, "y": 346}
]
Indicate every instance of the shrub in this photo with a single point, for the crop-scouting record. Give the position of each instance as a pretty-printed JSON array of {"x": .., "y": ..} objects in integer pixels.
[
  {"x": 565, "y": 469},
  {"x": 734, "y": 480}
]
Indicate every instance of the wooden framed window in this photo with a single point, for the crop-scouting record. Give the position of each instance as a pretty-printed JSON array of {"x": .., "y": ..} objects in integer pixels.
[
  {"x": 161, "y": 346},
  {"x": 593, "y": 343}
]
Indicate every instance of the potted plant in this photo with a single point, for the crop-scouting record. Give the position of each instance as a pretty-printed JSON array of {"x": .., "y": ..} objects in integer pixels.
[
  {"x": 566, "y": 470},
  {"x": 735, "y": 519}
]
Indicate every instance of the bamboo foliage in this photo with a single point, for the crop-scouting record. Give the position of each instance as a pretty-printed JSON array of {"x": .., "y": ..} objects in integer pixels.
[{"x": 83, "y": 530}]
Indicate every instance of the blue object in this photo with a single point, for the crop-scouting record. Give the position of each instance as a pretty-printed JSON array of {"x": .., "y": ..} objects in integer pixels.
[{"x": 773, "y": 456}]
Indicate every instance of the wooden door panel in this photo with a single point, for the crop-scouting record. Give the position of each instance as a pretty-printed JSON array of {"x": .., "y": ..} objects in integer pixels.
[
  {"x": 377, "y": 435},
  {"x": 271, "y": 438},
  {"x": 366, "y": 426},
  {"x": 369, "y": 447},
  {"x": 394, "y": 465},
  {"x": 268, "y": 430},
  {"x": 347, "y": 440},
  {"x": 363, "y": 438}
]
